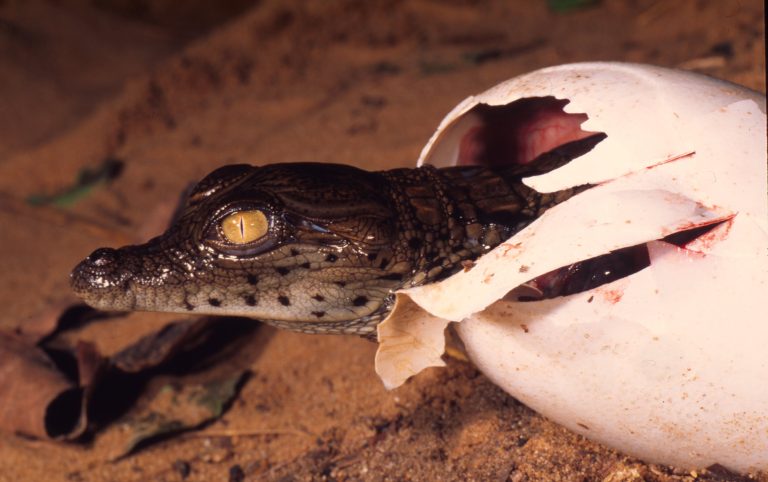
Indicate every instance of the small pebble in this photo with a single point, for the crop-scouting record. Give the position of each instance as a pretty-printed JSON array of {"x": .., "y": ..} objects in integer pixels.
[
  {"x": 183, "y": 468},
  {"x": 236, "y": 474}
]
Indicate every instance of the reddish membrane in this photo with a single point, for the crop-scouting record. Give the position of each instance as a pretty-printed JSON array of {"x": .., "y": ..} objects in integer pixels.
[{"x": 520, "y": 133}]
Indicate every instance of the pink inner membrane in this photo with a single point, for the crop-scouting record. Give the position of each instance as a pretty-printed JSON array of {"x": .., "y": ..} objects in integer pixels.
[
  {"x": 548, "y": 128},
  {"x": 520, "y": 132}
]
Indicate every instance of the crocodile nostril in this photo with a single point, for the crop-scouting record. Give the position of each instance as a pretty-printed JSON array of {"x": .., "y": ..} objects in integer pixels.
[{"x": 103, "y": 257}]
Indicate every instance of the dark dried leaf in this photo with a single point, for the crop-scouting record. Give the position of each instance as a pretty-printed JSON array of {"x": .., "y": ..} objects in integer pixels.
[
  {"x": 176, "y": 408},
  {"x": 36, "y": 399},
  {"x": 157, "y": 348}
]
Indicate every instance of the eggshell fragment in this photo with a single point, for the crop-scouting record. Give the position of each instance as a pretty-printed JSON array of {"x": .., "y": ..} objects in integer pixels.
[
  {"x": 669, "y": 363},
  {"x": 412, "y": 341}
]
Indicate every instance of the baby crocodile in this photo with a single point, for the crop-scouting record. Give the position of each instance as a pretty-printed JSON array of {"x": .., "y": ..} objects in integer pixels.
[{"x": 317, "y": 248}]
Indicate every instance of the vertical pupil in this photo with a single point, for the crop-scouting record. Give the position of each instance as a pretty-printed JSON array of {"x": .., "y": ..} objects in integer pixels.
[{"x": 245, "y": 227}]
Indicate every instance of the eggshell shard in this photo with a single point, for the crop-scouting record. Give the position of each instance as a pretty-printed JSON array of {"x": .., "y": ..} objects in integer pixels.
[
  {"x": 669, "y": 363},
  {"x": 411, "y": 340}
]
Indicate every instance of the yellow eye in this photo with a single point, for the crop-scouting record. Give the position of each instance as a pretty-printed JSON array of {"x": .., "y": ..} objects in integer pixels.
[{"x": 244, "y": 226}]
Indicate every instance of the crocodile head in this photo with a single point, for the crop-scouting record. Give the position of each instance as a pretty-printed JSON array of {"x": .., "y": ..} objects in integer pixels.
[{"x": 289, "y": 243}]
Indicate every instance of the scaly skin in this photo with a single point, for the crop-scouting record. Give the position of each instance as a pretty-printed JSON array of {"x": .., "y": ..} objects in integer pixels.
[{"x": 341, "y": 241}]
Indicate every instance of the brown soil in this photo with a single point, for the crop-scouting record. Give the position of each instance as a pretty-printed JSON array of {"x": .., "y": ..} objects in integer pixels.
[{"x": 175, "y": 91}]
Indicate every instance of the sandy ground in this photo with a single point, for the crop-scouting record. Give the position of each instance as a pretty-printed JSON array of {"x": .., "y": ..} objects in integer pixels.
[{"x": 175, "y": 91}]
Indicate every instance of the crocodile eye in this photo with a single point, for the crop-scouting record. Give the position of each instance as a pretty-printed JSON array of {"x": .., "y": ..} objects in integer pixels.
[{"x": 243, "y": 227}]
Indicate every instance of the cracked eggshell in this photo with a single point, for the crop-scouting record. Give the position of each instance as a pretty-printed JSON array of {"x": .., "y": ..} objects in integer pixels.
[{"x": 667, "y": 364}]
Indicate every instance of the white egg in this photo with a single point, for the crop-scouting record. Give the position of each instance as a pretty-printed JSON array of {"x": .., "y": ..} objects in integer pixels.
[{"x": 669, "y": 363}]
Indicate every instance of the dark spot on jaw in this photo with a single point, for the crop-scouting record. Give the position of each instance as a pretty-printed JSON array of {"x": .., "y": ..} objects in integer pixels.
[
  {"x": 214, "y": 301},
  {"x": 305, "y": 265},
  {"x": 415, "y": 243},
  {"x": 372, "y": 256},
  {"x": 360, "y": 301},
  {"x": 331, "y": 258},
  {"x": 189, "y": 306},
  {"x": 282, "y": 270},
  {"x": 319, "y": 314},
  {"x": 252, "y": 279},
  {"x": 392, "y": 277},
  {"x": 340, "y": 283},
  {"x": 431, "y": 255},
  {"x": 250, "y": 300},
  {"x": 318, "y": 298},
  {"x": 294, "y": 252},
  {"x": 384, "y": 263},
  {"x": 284, "y": 300}
]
